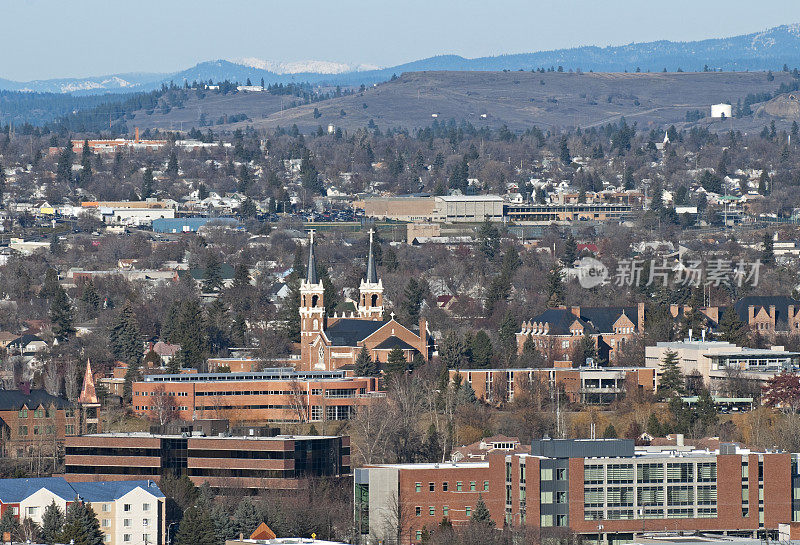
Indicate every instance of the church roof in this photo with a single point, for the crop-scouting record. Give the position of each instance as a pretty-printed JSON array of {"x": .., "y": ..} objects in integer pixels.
[
  {"x": 348, "y": 331},
  {"x": 394, "y": 342}
]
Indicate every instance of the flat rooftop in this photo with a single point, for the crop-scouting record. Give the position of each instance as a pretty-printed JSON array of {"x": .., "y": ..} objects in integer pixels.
[
  {"x": 146, "y": 435},
  {"x": 278, "y": 373},
  {"x": 444, "y": 465}
]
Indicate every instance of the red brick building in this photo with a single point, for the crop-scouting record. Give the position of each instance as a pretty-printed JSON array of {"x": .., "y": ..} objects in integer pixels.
[
  {"x": 279, "y": 462},
  {"x": 580, "y": 385},
  {"x": 331, "y": 342},
  {"x": 275, "y": 395},
  {"x": 557, "y": 332},
  {"x": 604, "y": 490}
]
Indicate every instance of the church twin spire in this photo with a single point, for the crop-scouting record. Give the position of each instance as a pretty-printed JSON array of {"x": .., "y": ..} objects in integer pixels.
[{"x": 370, "y": 303}]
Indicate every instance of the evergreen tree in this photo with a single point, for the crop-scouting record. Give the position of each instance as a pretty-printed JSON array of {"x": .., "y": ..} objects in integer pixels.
[
  {"x": 481, "y": 514},
  {"x": 9, "y": 523},
  {"x": 223, "y": 525},
  {"x": 172, "y": 165},
  {"x": 731, "y": 329},
  {"x": 654, "y": 426},
  {"x": 396, "y": 361},
  {"x": 246, "y": 517},
  {"x": 584, "y": 350},
  {"x": 52, "y": 523},
  {"x": 570, "y": 251},
  {"x": 309, "y": 176},
  {"x": 81, "y": 526},
  {"x": 530, "y": 356},
  {"x": 190, "y": 333},
  {"x": 289, "y": 312},
  {"x": 413, "y": 297},
  {"x": 628, "y": 182},
  {"x": 610, "y": 432},
  {"x": 657, "y": 200},
  {"x": 175, "y": 363},
  {"x": 61, "y": 315},
  {"x": 55, "y": 245},
  {"x": 196, "y": 528},
  {"x": 248, "y": 208},
  {"x": 768, "y": 252},
  {"x": 64, "y": 168},
  {"x": 481, "y": 349},
  {"x": 508, "y": 335},
  {"x": 706, "y": 411},
  {"x": 50, "y": 285},
  {"x": 672, "y": 380},
  {"x": 147, "y": 183},
  {"x": 90, "y": 299},
  {"x": 244, "y": 178},
  {"x": 555, "y": 286},
  {"x": 452, "y": 350},
  {"x": 488, "y": 239},
  {"x": 125, "y": 338},
  {"x": 564, "y": 154},
  {"x": 365, "y": 367},
  {"x": 212, "y": 274}
]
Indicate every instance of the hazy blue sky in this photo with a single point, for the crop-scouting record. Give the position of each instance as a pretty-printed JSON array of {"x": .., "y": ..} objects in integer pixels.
[{"x": 58, "y": 38}]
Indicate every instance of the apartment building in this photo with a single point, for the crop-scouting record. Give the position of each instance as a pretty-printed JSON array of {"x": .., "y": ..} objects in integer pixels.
[
  {"x": 277, "y": 395},
  {"x": 605, "y": 490},
  {"x": 129, "y": 512},
  {"x": 224, "y": 462},
  {"x": 596, "y": 385}
]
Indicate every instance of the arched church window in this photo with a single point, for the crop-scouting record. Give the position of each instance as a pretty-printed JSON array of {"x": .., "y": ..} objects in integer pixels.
[{"x": 314, "y": 300}]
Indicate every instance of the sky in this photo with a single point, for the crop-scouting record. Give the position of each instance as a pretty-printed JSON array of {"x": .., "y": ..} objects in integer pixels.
[{"x": 45, "y": 39}]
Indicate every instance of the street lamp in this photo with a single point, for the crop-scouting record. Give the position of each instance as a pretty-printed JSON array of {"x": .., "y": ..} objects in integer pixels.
[{"x": 169, "y": 527}]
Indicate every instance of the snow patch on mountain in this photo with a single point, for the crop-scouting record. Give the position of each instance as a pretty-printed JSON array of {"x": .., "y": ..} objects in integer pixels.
[{"x": 299, "y": 67}]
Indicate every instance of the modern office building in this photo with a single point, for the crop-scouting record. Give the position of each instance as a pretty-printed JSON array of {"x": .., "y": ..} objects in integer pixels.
[
  {"x": 224, "y": 462},
  {"x": 594, "y": 385},
  {"x": 277, "y": 395},
  {"x": 129, "y": 512},
  {"x": 605, "y": 490}
]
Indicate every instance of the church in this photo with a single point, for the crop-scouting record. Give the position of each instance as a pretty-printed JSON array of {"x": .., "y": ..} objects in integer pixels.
[{"x": 332, "y": 342}]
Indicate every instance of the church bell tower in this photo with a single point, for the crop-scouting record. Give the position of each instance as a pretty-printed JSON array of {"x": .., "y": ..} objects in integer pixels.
[
  {"x": 370, "y": 302},
  {"x": 312, "y": 308}
]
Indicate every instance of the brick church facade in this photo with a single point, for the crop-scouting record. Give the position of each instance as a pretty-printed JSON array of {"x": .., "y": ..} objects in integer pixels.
[{"x": 332, "y": 342}]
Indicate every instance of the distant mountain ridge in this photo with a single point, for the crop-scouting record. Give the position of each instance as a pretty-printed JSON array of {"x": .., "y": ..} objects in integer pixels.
[{"x": 769, "y": 49}]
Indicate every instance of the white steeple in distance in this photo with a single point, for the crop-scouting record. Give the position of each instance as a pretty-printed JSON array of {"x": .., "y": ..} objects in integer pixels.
[{"x": 370, "y": 303}]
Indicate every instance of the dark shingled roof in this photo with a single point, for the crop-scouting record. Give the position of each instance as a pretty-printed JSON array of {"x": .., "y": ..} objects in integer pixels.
[
  {"x": 13, "y": 400},
  {"x": 394, "y": 342},
  {"x": 595, "y": 320},
  {"x": 348, "y": 332},
  {"x": 780, "y": 302}
]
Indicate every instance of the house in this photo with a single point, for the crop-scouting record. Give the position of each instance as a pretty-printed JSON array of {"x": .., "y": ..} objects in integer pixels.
[{"x": 128, "y": 511}]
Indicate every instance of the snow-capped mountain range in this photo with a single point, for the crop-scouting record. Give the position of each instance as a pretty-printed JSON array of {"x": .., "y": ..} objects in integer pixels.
[
  {"x": 301, "y": 67},
  {"x": 767, "y": 50}
]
